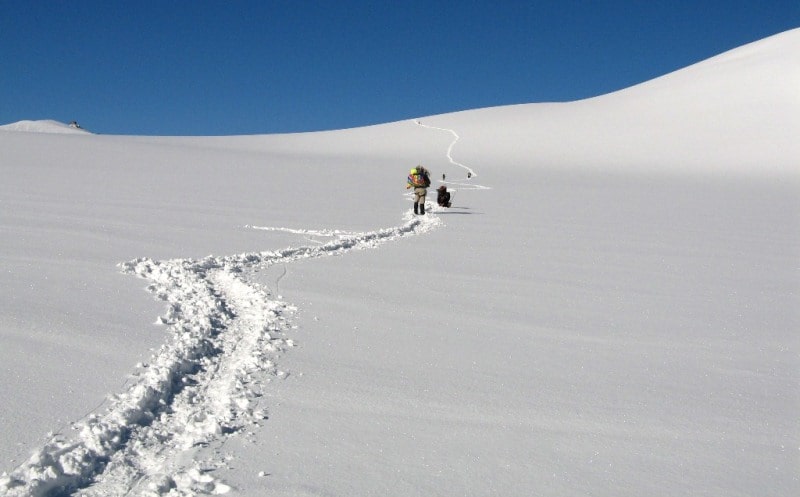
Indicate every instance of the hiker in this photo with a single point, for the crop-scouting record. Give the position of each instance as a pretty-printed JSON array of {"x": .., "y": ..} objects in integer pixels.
[
  {"x": 443, "y": 196},
  {"x": 419, "y": 180}
]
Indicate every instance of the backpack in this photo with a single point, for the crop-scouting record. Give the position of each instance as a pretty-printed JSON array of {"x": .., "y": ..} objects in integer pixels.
[
  {"x": 419, "y": 178},
  {"x": 443, "y": 196}
]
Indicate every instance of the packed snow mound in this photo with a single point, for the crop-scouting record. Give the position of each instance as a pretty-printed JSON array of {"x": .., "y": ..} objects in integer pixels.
[
  {"x": 736, "y": 112},
  {"x": 43, "y": 126}
]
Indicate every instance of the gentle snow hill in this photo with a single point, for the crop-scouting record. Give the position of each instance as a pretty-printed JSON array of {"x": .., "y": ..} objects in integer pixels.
[
  {"x": 43, "y": 126},
  {"x": 738, "y": 112},
  {"x": 610, "y": 307}
]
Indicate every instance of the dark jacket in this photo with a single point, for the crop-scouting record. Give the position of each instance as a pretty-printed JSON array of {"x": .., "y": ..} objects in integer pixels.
[{"x": 443, "y": 196}]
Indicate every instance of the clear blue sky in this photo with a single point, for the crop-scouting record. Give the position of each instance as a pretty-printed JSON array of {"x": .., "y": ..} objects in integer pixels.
[{"x": 228, "y": 67}]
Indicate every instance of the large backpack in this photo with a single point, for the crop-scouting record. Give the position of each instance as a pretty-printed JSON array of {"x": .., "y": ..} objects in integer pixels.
[{"x": 419, "y": 178}]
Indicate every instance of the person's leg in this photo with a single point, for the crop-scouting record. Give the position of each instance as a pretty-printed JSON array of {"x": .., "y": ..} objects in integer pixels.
[{"x": 420, "y": 195}]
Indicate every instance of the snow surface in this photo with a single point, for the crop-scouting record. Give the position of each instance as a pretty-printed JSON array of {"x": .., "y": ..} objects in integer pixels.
[
  {"x": 609, "y": 308},
  {"x": 45, "y": 126}
]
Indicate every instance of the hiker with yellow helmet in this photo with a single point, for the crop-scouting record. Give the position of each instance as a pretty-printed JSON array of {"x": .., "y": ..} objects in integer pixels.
[{"x": 419, "y": 180}]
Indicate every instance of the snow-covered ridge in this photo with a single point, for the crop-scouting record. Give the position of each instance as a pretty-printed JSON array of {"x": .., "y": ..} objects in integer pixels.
[
  {"x": 743, "y": 66},
  {"x": 44, "y": 126},
  {"x": 764, "y": 71},
  {"x": 738, "y": 112}
]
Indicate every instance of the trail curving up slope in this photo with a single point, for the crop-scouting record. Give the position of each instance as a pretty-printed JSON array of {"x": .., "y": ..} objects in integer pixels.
[
  {"x": 225, "y": 335},
  {"x": 204, "y": 384},
  {"x": 465, "y": 185}
]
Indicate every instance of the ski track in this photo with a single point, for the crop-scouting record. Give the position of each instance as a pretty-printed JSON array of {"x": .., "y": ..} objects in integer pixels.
[
  {"x": 203, "y": 385},
  {"x": 225, "y": 334}
]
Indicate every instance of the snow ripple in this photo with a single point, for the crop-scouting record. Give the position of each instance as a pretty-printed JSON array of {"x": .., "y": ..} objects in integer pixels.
[{"x": 203, "y": 385}]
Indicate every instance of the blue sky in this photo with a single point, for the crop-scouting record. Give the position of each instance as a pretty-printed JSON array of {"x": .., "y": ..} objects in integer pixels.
[{"x": 222, "y": 68}]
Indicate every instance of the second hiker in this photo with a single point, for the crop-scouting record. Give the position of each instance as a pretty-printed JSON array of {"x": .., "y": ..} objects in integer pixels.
[{"x": 443, "y": 196}]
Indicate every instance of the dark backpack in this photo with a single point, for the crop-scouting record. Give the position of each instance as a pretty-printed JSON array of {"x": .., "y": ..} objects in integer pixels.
[{"x": 443, "y": 197}]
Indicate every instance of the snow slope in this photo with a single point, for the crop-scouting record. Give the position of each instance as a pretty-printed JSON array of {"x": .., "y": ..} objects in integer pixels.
[
  {"x": 609, "y": 308},
  {"x": 45, "y": 126},
  {"x": 729, "y": 114}
]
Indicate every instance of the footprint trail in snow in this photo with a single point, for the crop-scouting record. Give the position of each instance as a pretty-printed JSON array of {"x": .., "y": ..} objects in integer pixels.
[
  {"x": 204, "y": 384},
  {"x": 464, "y": 185}
]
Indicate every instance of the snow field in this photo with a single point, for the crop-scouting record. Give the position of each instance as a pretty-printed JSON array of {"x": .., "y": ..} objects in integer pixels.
[
  {"x": 201, "y": 386},
  {"x": 612, "y": 312}
]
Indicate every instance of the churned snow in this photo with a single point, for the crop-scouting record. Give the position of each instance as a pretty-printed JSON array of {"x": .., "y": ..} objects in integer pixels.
[{"x": 609, "y": 308}]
